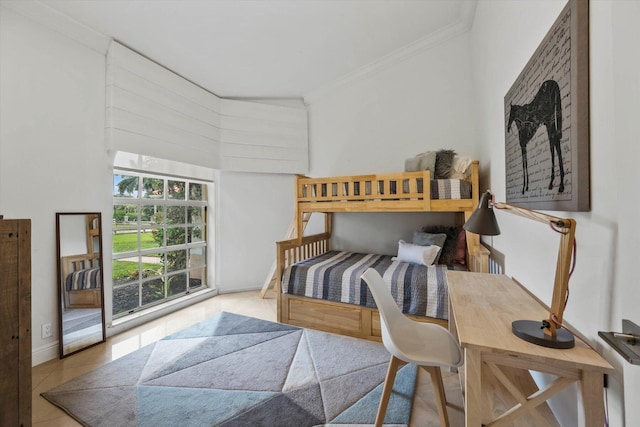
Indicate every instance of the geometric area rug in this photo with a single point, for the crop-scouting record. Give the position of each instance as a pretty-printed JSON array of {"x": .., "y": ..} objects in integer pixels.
[{"x": 233, "y": 370}]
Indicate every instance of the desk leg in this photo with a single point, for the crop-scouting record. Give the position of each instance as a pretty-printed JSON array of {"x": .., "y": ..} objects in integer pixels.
[
  {"x": 591, "y": 387},
  {"x": 473, "y": 382}
]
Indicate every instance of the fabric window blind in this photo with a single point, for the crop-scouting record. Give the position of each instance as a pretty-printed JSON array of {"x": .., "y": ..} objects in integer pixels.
[
  {"x": 263, "y": 138},
  {"x": 154, "y": 112}
]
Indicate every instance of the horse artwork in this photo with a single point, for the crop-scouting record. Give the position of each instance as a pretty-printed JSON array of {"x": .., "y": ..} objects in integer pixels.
[
  {"x": 549, "y": 104},
  {"x": 545, "y": 109}
]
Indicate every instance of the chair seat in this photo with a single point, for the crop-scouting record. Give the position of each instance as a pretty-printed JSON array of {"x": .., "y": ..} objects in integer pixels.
[{"x": 414, "y": 342}]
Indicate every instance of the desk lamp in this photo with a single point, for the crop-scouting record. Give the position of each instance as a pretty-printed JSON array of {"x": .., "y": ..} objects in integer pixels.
[{"x": 547, "y": 333}]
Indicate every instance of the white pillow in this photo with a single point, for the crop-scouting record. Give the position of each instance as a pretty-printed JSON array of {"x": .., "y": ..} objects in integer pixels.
[
  {"x": 460, "y": 168},
  {"x": 416, "y": 254}
]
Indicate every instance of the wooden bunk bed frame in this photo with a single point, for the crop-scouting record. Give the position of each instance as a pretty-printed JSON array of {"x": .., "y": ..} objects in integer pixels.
[
  {"x": 81, "y": 298},
  {"x": 384, "y": 193}
]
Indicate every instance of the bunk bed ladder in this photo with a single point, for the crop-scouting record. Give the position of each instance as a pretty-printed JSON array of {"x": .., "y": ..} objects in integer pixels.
[{"x": 271, "y": 277}]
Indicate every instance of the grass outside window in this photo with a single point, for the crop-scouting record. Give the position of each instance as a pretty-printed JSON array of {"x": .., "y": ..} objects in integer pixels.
[{"x": 128, "y": 242}]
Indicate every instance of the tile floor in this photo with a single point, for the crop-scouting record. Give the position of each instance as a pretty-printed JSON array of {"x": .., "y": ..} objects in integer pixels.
[{"x": 55, "y": 372}]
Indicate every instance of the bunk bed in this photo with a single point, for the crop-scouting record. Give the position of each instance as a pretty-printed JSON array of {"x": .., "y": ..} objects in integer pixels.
[
  {"x": 399, "y": 192},
  {"x": 81, "y": 281}
]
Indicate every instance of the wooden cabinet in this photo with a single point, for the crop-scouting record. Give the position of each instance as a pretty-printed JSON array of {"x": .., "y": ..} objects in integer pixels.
[{"x": 15, "y": 322}]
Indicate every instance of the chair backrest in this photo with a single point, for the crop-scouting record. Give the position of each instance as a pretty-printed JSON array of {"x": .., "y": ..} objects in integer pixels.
[{"x": 397, "y": 329}]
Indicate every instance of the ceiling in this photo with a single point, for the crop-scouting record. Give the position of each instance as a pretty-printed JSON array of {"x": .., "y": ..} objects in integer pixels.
[{"x": 266, "y": 48}]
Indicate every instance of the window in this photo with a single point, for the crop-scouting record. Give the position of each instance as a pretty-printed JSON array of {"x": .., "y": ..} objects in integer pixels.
[{"x": 159, "y": 239}]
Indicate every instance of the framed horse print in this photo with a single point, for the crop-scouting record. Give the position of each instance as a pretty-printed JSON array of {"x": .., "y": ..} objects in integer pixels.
[{"x": 547, "y": 120}]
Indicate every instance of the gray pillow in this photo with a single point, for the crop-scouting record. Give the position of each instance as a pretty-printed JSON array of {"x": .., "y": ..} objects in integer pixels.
[
  {"x": 421, "y": 162},
  {"x": 412, "y": 164},
  {"x": 428, "y": 161},
  {"x": 428, "y": 239},
  {"x": 448, "y": 252}
]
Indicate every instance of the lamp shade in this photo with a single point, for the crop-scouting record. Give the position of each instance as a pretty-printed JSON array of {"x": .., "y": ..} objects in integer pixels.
[{"x": 483, "y": 220}]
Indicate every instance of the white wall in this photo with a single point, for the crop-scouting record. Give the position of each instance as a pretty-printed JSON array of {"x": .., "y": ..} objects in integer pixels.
[
  {"x": 373, "y": 124},
  {"x": 255, "y": 212},
  {"x": 625, "y": 107},
  {"x": 53, "y": 159},
  {"x": 52, "y": 156},
  {"x": 504, "y": 35}
]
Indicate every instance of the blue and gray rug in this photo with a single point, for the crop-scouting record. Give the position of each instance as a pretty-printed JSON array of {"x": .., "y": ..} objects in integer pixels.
[{"x": 234, "y": 370}]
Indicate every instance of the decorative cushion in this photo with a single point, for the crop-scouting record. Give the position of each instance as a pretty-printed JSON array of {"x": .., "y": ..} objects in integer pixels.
[
  {"x": 428, "y": 161},
  {"x": 428, "y": 239},
  {"x": 412, "y": 164},
  {"x": 421, "y": 162},
  {"x": 444, "y": 163},
  {"x": 449, "y": 250},
  {"x": 460, "y": 168},
  {"x": 416, "y": 254},
  {"x": 461, "y": 247}
]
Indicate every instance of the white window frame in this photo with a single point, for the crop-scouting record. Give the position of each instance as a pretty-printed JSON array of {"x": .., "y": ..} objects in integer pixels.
[{"x": 165, "y": 202}]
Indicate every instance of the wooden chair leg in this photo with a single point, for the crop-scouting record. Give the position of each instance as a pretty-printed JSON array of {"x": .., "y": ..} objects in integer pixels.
[
  {"x": 438, "y": 388},
  {"x": 394, "y": 365}
]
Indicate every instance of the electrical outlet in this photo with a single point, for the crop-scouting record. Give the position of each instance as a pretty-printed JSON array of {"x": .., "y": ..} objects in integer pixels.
[{"x": 46, "y": 330}]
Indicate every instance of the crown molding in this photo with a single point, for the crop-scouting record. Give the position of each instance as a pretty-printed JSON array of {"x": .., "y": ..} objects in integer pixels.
[
  {"x": 60, "y": 23},
  {"x": 461, "y": 26}
]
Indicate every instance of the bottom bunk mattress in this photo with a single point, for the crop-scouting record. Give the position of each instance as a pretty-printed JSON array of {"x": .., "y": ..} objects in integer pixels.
[
  {"x": 335, "y": 276},
  {"x": 89, "y": 278}
]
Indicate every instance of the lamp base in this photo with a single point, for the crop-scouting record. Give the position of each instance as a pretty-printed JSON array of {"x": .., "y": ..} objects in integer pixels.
[{"x": 531, "y": 331}]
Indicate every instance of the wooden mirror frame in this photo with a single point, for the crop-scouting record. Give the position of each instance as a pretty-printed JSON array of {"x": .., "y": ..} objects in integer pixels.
[{"x": 67, "y": 263}]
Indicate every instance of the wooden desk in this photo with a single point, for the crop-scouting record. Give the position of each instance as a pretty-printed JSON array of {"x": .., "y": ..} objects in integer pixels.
[{"x": 482, "y": 307}]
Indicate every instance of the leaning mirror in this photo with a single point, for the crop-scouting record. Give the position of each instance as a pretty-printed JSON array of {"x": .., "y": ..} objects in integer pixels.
[{"x": 80, "y": 291}]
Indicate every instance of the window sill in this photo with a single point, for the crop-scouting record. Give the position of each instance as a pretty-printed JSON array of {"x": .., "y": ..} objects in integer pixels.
[{"x": 136, "y": 319}]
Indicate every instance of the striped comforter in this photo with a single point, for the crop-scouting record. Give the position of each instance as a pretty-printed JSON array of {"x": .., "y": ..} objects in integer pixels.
[
  {"x": 83, "y": 279},
  {"x": 451, "y": 189},
  {"x": 335, "y": 276},
  {"x": 444, "y": 189}
]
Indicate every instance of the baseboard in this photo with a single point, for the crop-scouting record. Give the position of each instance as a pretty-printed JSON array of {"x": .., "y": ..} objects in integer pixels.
[
  {"x": 45, "y": 353},
  {"x": 241, "y": 288}
]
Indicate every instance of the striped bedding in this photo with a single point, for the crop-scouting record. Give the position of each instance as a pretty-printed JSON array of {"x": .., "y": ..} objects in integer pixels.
[
  {"x": 445, "y": 189},
  {"x": 335, "y": 276},
  {"x": 83, "y": 279},
  {"x": 450, "y": 189}
]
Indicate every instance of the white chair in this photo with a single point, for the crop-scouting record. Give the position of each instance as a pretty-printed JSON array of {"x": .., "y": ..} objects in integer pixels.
[{"x": 425, "y": 344}]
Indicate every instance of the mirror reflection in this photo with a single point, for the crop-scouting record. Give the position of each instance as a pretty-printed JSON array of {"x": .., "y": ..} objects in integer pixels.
[{"x": 80, "y": 276}]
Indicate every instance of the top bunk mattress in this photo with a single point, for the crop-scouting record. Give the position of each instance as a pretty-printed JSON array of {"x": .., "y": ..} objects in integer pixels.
[{"x": 335, "y": 276}]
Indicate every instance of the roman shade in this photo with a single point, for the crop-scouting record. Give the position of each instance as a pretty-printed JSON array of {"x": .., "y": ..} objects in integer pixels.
[{"x": 154, "y": 112}]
